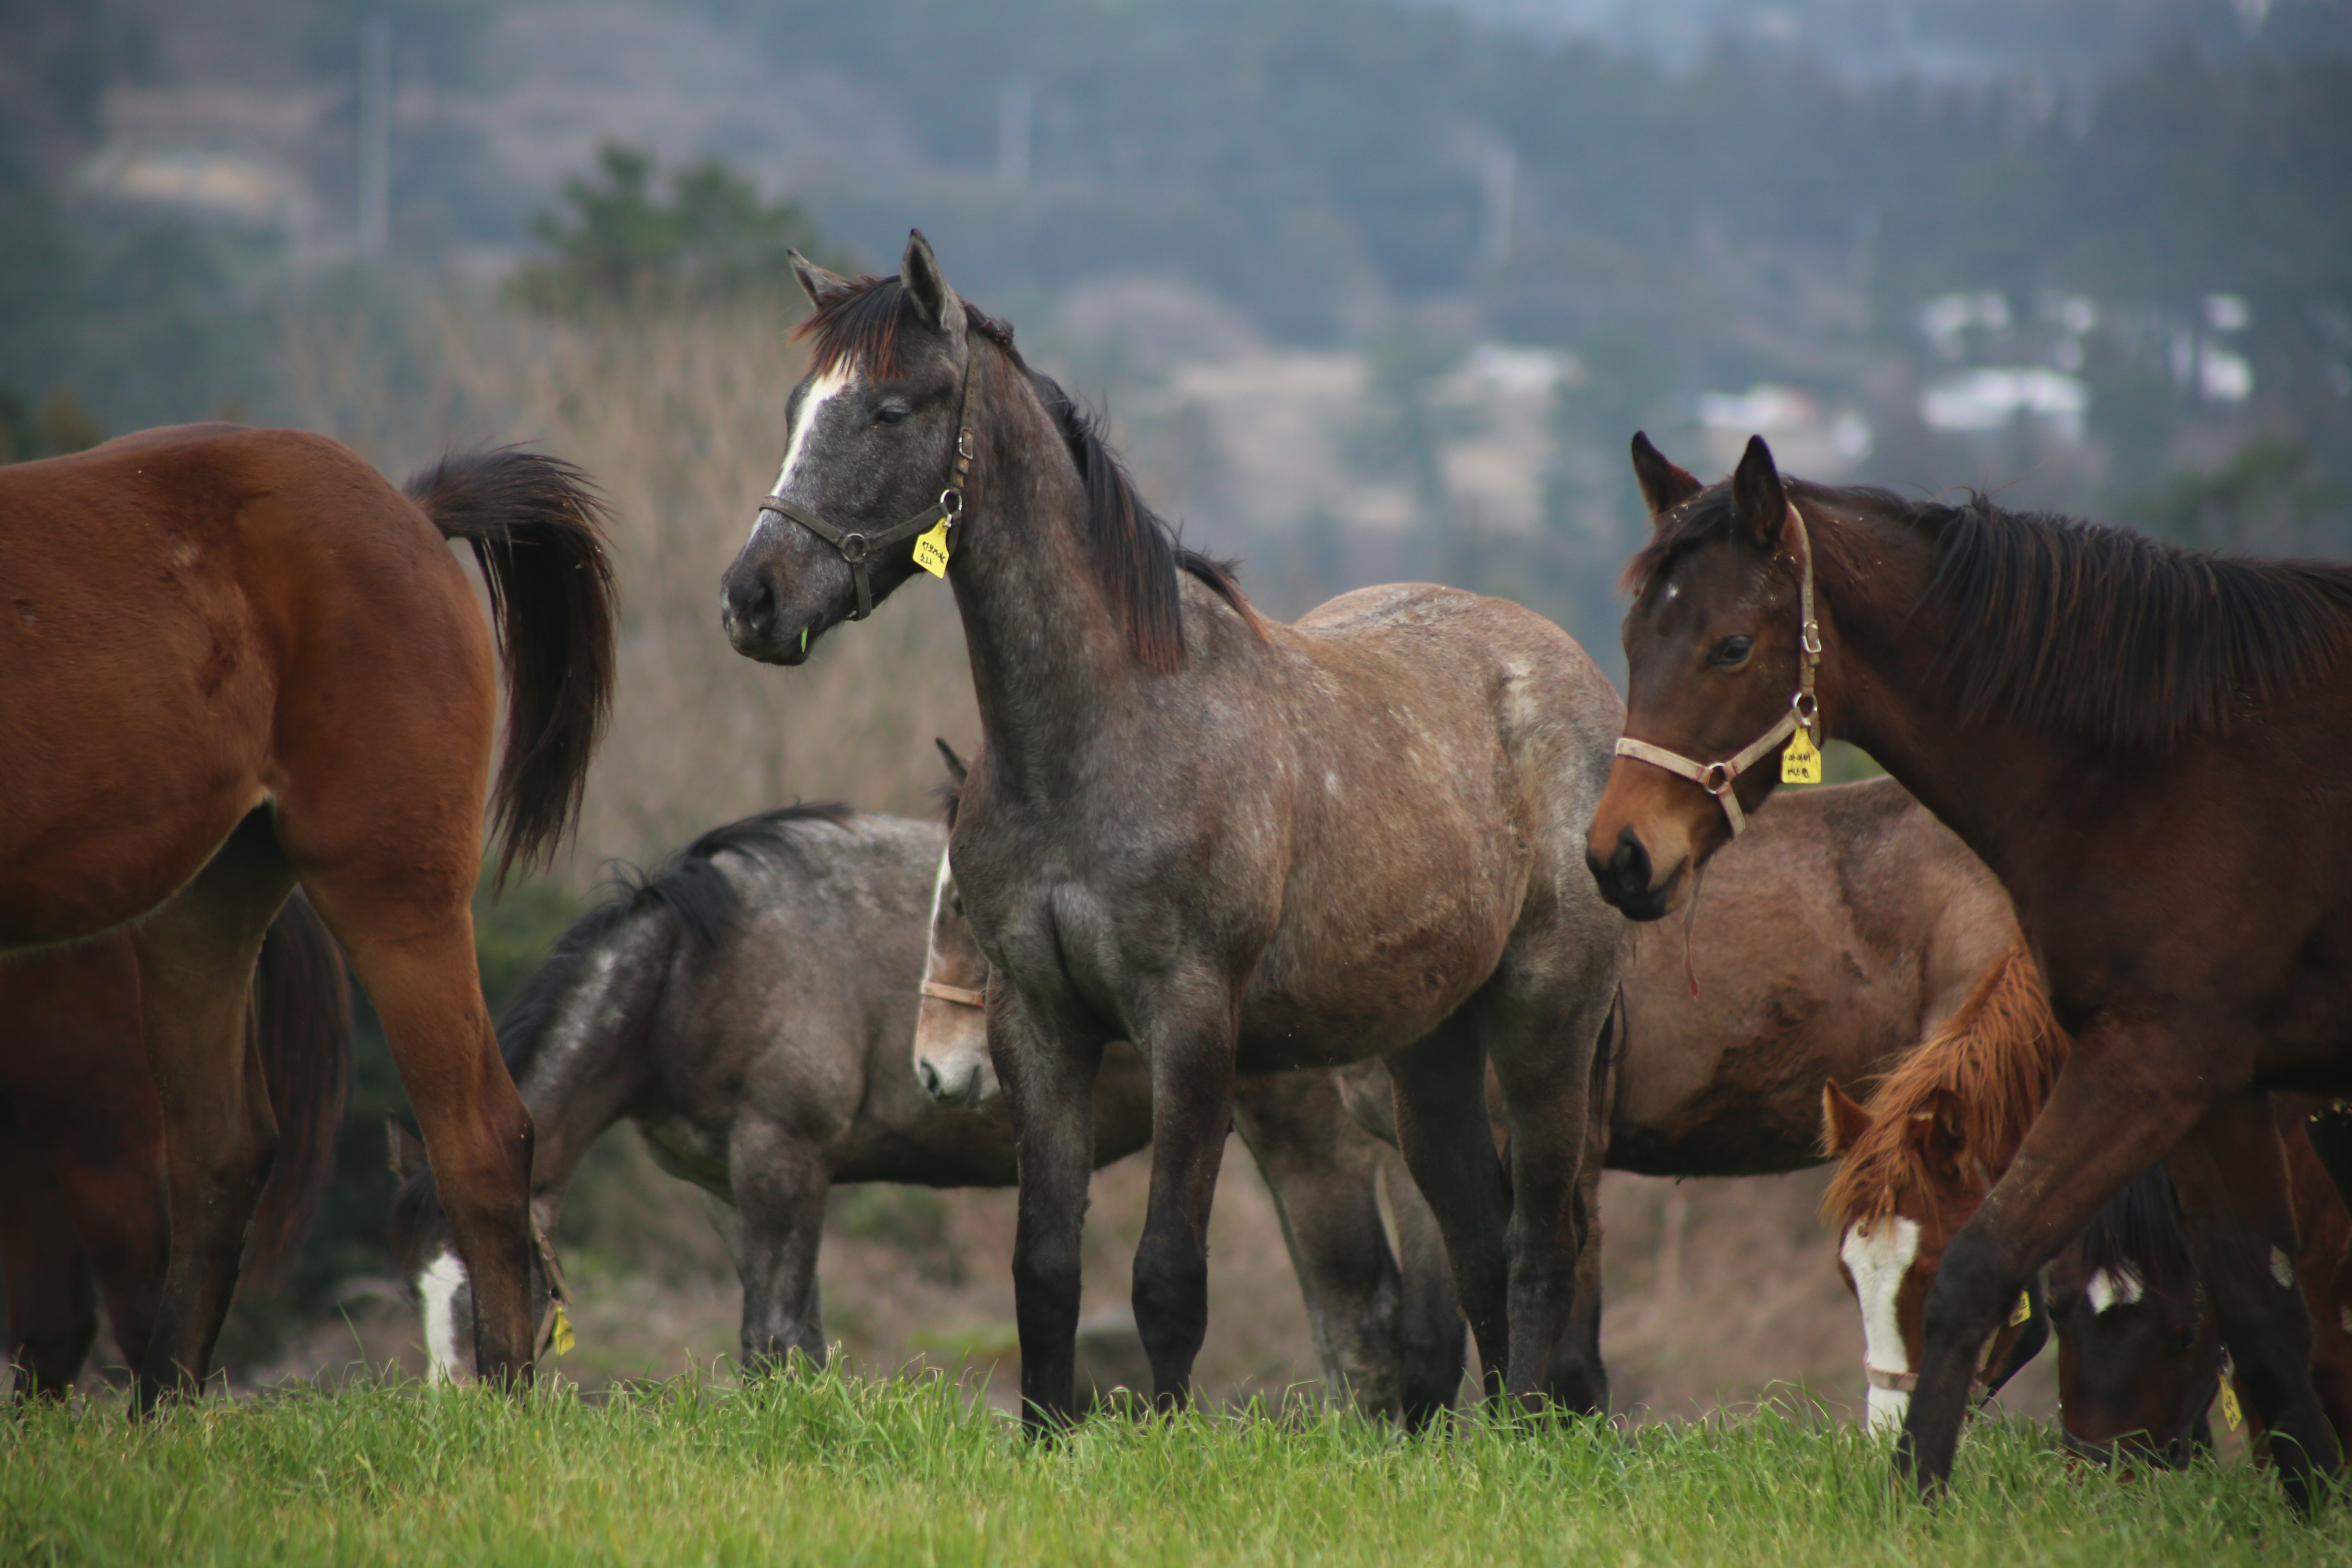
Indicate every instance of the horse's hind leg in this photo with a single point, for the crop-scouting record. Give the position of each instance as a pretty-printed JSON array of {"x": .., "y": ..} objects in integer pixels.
[
  {"x": 1448, "y": 1143},
  {"x": 52, "y": 1311},
  {"x": 197, "y": 955},
  {"x": 2231, "y": 1173},
  {"x": 1323, "y": 1171},
  {"x": 1577, "y": 1379},
  {"x": 780, "y": 1182},
  {"x": 1433, "y": 1339}
]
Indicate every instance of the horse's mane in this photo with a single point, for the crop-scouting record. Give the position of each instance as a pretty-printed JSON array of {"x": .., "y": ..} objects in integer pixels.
[
  {"x": 1993, "y": 1062},
  {"x": 706, "y": 908},
  {"x": 2143, "y": 1232},
  {"x": 1139, "y": 561},
  {"x": 2089, "y": 629}
]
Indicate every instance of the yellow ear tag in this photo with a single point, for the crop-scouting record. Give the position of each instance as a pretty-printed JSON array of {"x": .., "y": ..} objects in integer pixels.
[
  {"x": 559, "y": 1340},
  {"x": 2023, "y": 1310},
  {"x": 1801, "y": 764},
  {"x": 2231, "y": 1416},
  {"x": 932, "y": 549}
]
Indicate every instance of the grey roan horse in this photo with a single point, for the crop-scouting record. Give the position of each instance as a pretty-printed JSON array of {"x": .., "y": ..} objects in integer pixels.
[
  {"x": 1243, "y": 847},
  {"x": 749, "y": 1006}
]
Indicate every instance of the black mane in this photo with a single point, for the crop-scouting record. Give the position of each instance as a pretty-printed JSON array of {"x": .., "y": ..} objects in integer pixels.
[
  {"x": 1137, "y": 556},
  {"x": 2142, "y": 1233},
  {"x": 2086, "y": 628}
]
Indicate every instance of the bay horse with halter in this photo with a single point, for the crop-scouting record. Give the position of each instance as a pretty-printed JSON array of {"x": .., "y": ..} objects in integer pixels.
[
  {"x": 81, "y": 1138},
  {"x": 2123, "y": 731},
  {"x": 1243, "y": 847},
  {"x": 239, "y": 660}
]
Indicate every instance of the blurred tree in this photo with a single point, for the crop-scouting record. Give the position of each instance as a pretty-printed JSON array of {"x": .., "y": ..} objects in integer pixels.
[
  {"x": 2266, "y": 498},
  {"x": 624, "y": 248}
]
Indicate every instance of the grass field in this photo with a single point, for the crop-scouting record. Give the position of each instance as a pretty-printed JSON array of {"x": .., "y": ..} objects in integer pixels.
[{"x": 840, "y": 1471}]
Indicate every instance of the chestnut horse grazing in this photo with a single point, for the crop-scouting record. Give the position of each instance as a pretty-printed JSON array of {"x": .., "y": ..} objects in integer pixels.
[
  {"x": 1245, "y": 848},
  {"x": 2146, "y": 745},
  {"x": 81, "y": 1137},
  {"x": 237, "y": 660}
]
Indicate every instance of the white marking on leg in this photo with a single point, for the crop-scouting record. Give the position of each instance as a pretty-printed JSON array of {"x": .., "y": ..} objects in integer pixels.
[
  {"x": 820, "y": 390},
  {"x": 1878, "y": 1261},
  {"x": 436, "y": 1292},
  {"x": 2105, "y": 1290}
]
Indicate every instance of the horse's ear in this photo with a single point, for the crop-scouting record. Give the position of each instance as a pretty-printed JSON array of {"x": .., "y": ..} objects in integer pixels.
[
  {"x": 1938, "y": 1132},
  {"x": 1663, "y": 486},
  {"x": 956, "y": 768},
  {"x": 1757, "y": 498},
  {"x": 929, "y": 286},
  {"x": 1843, "y": 1122},
  {"x": 823, "y": 288},
  {"x": 403, "y": 1148}
]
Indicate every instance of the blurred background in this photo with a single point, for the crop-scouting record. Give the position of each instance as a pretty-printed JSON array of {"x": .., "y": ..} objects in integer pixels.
[{"x": 1369, "y": 289}]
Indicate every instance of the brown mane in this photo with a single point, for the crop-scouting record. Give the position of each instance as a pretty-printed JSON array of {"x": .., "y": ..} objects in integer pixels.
[
  {"x": 1996, "y": 1059},
  {"x": 2086, "y": 628},
  {"x": 1138, "y": 562}
]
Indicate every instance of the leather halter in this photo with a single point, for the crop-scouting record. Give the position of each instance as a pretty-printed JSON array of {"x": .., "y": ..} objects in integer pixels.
[
  {"x": 958, "y": 995},
  {"x": 1804, "y": 710},
  {"x": 559, "y": 1293},
  {"x": 857, "y": 547}
]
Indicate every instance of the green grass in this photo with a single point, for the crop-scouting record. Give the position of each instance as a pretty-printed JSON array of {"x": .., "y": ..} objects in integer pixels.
[{"x": 837, "y": 1470}]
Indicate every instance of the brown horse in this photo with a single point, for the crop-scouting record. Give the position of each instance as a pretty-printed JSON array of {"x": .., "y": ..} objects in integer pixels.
[
  {"x": 237, "y": 660},
  {"x": 1245, "y": 847},
  {"x": 81, "y": 1137},
  {"x": 2145, "y": 746}
]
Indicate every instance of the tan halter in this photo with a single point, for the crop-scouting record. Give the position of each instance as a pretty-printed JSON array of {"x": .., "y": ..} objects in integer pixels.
[
  {"x": 1805, "y": 710},
  {"x": 960, "y": 995}
]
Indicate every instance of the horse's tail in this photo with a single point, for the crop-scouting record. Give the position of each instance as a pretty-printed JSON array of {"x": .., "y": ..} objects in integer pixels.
[
  {"x": 302, "y": 1024},
  {"x": 536, "y": 526}
]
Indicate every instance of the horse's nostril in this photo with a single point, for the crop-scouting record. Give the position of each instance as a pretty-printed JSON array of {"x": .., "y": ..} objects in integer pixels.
[
  {"x": 929, "y": 1075},
  {"x": 1630, "y": 864}
]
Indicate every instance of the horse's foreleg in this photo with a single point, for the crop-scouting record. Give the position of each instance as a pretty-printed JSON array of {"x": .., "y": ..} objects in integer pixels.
[
  {"x": 197, "y": 955},
  {"x": 1448, "y": 1143},
  {"x": 2098, "y": 1128},
  {"x": 1545, "y": 1069},
  {"x": 1048, "y": 1075},
  {"x": 1190, "y": 1048},
  {"x": 1577, "y": 1379},
  {"x": 1433, "y": 1339},
  {"x": 2231, "y": 1173},
  {"x": 1323, "y": 1171},
  {"x": 780, "y": 1182},
  {"x": 52, "y": 1314}
]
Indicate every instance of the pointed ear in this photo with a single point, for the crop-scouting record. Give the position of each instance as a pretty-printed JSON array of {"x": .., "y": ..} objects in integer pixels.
[
  {"x": 403, "y": 1148},
  {"x": 822, "y": 287},
  {"x": 920, "y": 272},
  {"x": 1663, "y": 486},
  {"x": 957, "y": 767},
  {"x": 1757, "y": 497},
  {"x": 1842, "y": 1120},
  {"x": 1937, "y": 1131}
]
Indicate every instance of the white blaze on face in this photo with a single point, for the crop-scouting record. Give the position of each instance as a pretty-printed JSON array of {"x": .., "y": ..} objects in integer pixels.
[
  {"x": 1878, "y": 1261},
  {"x": 437, "y": 1296},
  {"x": 820, "y": 391},
  {"x": 2106, "y": 1292}
]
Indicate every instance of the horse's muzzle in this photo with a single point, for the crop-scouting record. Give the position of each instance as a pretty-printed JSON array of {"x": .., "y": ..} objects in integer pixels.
[
  {"x": 1623, "y": 879},
  {"x": 960, "y": 1094},
  {"x": 751, "y": 609}
]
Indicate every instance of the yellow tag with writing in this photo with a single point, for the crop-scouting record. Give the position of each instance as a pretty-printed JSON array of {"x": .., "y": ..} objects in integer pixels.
[
  {"x": 2231, "y": 1416},
  {"x": 2023, "y": 1310},
  {"x": 1801, "y": 764},
  {"x": 560, "y": 1339},
  {"x": 932, "y": 549}
]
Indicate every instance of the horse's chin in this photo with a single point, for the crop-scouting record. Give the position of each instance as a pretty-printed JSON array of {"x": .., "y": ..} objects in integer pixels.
[{"x": 1657, "y": 900}]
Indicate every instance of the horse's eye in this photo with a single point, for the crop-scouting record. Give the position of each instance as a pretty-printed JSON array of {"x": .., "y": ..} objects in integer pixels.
[
  {"x": 891, "y": 412},
  {"x": 1731, "y": 652}
]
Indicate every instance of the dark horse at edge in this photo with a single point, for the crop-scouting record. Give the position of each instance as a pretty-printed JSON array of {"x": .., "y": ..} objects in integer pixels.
[{"x": 2150, "y": 747}]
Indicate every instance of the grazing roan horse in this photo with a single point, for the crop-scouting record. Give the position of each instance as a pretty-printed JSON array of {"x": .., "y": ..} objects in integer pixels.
[
  {"x": 81, "y": 1137},
  {"x": 2146, "y": 744},
  {"x": 1836, "y": 936},
  {"x": 237, "y": 660},
  {"x": 1242, "y": 847},
  {"x": 747, "y": 1007}
]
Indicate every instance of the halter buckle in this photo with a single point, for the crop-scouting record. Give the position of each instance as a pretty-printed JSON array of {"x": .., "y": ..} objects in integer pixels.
[
  {"x": 963, "y": 445},
  {"x": 1813, "y": 638}
]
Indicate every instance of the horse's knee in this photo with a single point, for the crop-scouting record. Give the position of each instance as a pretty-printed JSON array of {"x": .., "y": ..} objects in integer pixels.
[{"x": 1172, "y": 1293}]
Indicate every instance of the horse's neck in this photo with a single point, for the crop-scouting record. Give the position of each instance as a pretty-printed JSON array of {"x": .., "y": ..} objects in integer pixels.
[
  {"x": 594, "y": 1059},
  {"x": 1979, "y": 778},
  {"x": 1046, "y": 651}
]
